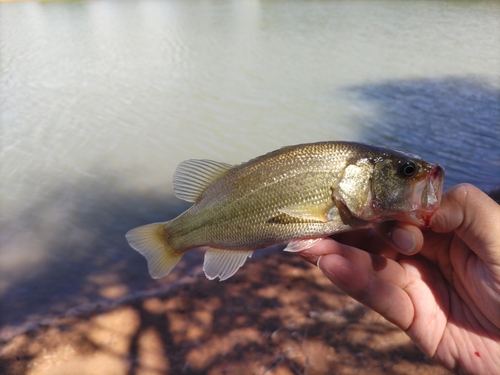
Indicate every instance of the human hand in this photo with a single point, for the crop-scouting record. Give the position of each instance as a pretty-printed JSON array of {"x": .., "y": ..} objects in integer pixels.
[{"x": 441, "y": 286}]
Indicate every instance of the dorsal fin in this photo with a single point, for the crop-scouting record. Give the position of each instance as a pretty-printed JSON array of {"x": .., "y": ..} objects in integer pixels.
[{"x": 193, "y": 176}]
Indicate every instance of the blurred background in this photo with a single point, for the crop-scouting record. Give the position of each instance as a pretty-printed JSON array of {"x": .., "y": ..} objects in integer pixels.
[{"x": 99, "y": 102}]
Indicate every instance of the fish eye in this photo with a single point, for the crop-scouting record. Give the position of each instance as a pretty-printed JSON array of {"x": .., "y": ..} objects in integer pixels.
[{"x": 407, "y": 169}]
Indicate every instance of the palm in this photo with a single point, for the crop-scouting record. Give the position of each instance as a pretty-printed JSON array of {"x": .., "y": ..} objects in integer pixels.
[{"x": 453, "y": 321}]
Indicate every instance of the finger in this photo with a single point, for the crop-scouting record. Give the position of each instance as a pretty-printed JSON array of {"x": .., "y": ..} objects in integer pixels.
[
  {"x": 330, "y": 246},
  {"x": 386, "y": 298},
  {"x": 370, "y": 240},
  {"x": 376, "y": 265},
  {"x": 474, "y": 216},
  {"x": 389, "y": 239},
  {"x": 324, "y": 247},
  {"x": 405, "y": 238}
]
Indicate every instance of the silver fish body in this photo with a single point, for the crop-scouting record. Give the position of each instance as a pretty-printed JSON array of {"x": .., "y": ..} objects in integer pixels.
[{"x": 297, "y": 194}]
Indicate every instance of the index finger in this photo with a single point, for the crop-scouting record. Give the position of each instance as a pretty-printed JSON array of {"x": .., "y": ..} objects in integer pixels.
[{"x": 370, "y": 240}]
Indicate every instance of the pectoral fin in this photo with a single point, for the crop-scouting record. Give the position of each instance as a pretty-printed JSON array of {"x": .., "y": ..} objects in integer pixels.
[
  {"x": 224, "y": 263},
  {"x": 307, "y": 212}
]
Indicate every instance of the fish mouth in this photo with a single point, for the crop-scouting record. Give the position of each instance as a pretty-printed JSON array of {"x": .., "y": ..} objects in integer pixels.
[{"x": 427, "y": 194}]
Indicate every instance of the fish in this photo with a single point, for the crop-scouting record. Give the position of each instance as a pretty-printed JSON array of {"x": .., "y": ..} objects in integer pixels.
[{"x": 298, "y": 195}]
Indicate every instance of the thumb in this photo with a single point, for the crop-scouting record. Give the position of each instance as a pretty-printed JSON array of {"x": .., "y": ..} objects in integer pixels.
[{"x": 475, "y": 218}]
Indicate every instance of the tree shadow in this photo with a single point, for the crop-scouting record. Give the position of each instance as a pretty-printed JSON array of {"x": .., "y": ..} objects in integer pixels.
[
  {"x": 454, "y": 121},
  {"x": 252, "y": 325}
]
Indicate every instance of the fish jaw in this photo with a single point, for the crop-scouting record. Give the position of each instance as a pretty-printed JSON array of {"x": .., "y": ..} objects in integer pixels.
[{"x": 425, "y": 197}]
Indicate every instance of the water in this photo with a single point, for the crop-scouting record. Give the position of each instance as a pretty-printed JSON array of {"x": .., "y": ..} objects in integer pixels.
[{"x": 99, "y": 101}]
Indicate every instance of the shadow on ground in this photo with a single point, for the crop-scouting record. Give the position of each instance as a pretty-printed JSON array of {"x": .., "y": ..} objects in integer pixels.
[{"x": 276, "y": 316}]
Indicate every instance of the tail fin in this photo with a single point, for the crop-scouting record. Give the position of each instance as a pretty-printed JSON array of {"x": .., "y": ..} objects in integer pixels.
[{"x": 150, "y": 241}]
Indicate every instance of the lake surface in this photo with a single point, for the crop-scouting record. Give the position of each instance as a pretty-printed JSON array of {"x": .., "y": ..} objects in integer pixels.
[{"x": 100, "y": 100}]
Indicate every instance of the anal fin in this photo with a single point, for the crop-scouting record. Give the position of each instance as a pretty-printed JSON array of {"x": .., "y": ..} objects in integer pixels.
[{"x": 224, "y": 263}]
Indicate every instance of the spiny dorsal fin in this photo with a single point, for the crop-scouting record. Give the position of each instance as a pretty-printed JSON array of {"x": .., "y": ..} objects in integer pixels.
[
  {"x": 224, "y": 263},
  {"x": 193, "y": 176}
]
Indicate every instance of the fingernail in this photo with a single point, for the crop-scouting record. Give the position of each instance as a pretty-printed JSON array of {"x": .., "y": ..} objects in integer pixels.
[
  {"x": 404, "y": 240},
  {"x": 317, "y": 262}
]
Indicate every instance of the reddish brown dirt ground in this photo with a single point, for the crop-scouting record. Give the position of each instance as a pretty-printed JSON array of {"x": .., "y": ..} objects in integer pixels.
[{"x": 295, "y": 322}]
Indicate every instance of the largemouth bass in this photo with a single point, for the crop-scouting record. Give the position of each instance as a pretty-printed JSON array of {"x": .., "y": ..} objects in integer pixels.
[{"x": 298, "y": 194}]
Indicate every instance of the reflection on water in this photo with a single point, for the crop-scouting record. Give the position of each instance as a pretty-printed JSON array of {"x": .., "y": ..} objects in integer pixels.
[{"x": 99, "y": 101}]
